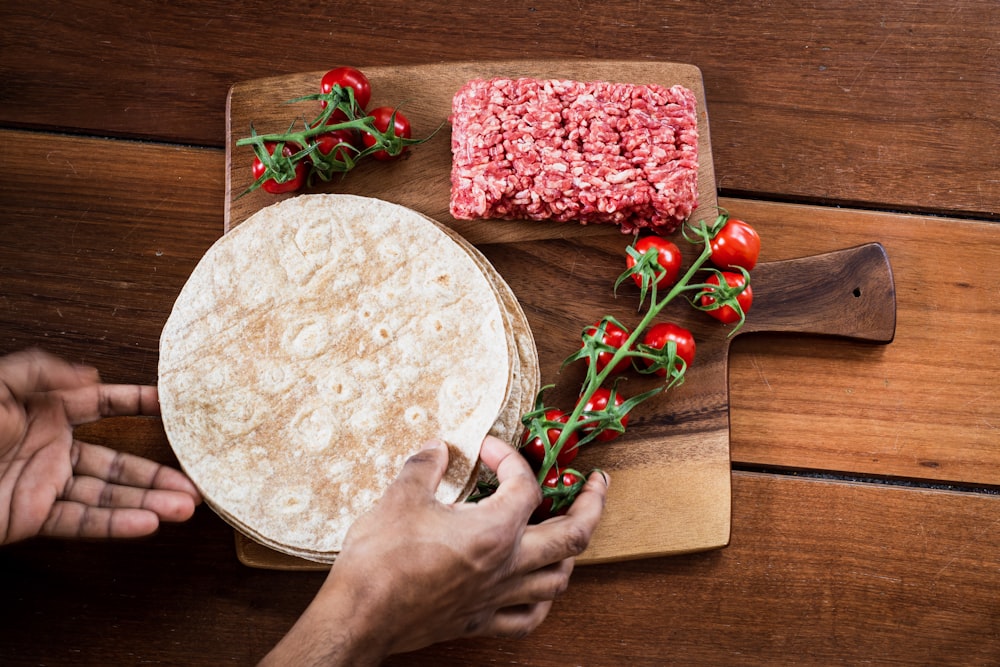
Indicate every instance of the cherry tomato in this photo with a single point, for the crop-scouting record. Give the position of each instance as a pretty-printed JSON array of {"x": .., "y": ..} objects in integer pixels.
[
  {"x": 533, "y": 449},
  {"x": 660, "y": 334},
  {"x": 668, "y": 257},
  {"x": 614, "y": 337},
  {"x": 335, "y": 145},
  {"x": 544, "y": 510},
  {"x": 383, "y": 117},
  {"x": 273, "y": 186},
  {"x": 736, "y": 244},
  {"x": 347, "y": 77},
  {"x": 598, "y": 402},
  {"x": 727, "y": 314}
]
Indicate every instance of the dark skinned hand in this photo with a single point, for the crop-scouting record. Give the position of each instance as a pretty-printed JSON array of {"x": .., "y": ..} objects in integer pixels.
[
  {"x": 415, "y": 571},
  {"x": 54, "y": 485}
]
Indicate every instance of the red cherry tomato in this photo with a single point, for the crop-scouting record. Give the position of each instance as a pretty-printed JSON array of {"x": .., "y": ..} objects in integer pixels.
[
  {"x": 533, "y": 448},
  {"x": 383, "y": 118},
  {"x": 614, "y": 337},
  {"x": 347, "y": 77},
  {"x": 275, "y": 186},
  {"x": 736, "y": 244},
  {"x": 336, "y": 144},
  {"x": 660, "y": 334},
  {"x": 544, "y": 510},
  {"x": 727, "y": 314},
  {"x": 598, "y": 402},
  {"x": 668, "y": 257}
]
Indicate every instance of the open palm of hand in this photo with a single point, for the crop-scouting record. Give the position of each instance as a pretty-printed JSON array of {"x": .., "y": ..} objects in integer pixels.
[{"x": 52, "y": 484}]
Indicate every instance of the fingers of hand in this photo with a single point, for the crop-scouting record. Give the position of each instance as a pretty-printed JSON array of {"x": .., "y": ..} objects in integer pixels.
[
  {"x": 129, "y": 470},
  {"x": 424, "y": 470},
  {"x": 95, "y": 493},
  {"x": 518, "y": 491},
  {"x": 77, "y": 520},
  {"x": 540, "y": 585},
  {"x": 113, "y": 494},
  {"x": 32, "y": 371},
  {"x": 515, "y": 622},
  {"x": 525, "y": 605},
  {"x": 91, "y": 402},
  {"x": 589, "y": 504},
  {"x": 565, "y": 536},
  {"x": 128, "y": 399},
  {"x": 503, "y": 459}
]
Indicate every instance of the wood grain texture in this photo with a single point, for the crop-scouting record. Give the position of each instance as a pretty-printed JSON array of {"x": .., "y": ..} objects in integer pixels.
[
  {"x": 846, "y": 293},
  {"x": 816, "y": 572},
  {"x": 928, "y": 405},
  {"x": 98, "y": 236},
  {"x": 79, "y": 255},
  {"x": 888, "y": 104}
]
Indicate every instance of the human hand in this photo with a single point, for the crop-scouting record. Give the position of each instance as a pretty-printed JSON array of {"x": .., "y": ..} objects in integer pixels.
[
  {"x": 414, "y": 571},
  {"x": 52, "y": 484}
]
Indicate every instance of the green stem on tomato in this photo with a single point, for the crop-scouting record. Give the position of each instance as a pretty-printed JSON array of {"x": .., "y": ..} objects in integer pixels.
[{"x": 383, "y": 140}]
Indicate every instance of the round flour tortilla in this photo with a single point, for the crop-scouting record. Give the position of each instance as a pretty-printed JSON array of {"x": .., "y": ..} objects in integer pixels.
[
  {"x": 525, "y": 373},
  {"x": 525, "y": 380},
  {"x": 313, "y": 348}
]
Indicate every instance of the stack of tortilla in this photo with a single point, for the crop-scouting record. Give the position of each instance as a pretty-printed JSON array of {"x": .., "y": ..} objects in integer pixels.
[{"x": 317, "y": 345}]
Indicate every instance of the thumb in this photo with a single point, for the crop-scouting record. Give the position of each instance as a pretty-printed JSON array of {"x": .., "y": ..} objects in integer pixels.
[{"x": 424, "y": 470}]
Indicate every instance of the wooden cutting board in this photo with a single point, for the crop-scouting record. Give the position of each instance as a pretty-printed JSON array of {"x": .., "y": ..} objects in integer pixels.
[{"x": 670, "y": 472}]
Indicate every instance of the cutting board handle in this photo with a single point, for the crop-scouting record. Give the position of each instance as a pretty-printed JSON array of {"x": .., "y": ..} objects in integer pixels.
[{"x": 847, "y": 293}]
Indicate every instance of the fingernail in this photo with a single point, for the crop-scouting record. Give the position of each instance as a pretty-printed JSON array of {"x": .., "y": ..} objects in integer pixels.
[
  {"x": 431, "y": 444},
  {"x": 604, "y": 476}
]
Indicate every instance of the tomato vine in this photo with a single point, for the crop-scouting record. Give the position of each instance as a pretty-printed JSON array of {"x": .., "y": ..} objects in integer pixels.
[
  {"x": 333, "y": 142},
  {"x": 608, "y": 346}
]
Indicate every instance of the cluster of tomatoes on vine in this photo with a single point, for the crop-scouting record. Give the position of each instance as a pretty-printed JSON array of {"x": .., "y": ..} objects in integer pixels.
[
  {"x": 332, "y": 143},
  {"x": 553, "y": 437}
]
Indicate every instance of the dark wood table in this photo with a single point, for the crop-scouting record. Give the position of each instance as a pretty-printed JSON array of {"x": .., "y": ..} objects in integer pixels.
[{"x": 866, "y": 516}]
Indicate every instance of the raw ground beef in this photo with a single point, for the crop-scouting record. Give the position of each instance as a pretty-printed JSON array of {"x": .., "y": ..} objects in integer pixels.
[{"x": 570, "y": 151}]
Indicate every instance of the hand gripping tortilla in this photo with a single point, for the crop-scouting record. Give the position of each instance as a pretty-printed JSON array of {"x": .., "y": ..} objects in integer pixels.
[{"x": 311, "y": 351}]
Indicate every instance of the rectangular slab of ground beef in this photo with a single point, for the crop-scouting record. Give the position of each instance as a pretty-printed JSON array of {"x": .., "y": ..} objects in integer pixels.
[{"x": 570, "y": 151}]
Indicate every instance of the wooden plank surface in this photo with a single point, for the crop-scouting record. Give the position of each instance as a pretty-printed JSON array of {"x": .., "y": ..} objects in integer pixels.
[
  {"x": 95, "y": 250},
  {"x": 90, "y": 270},
  {"x": 812, "y": 577},
  {"x": 879, "y": 105},
  {"x": 818, "y": 571},
  {"x": 925, "y": 406},
  {"x": 885, "y": 104}
]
